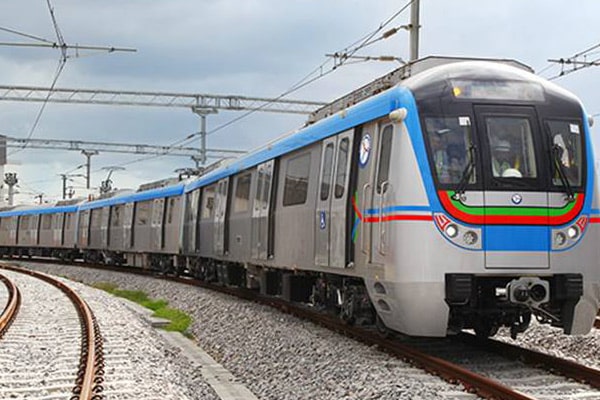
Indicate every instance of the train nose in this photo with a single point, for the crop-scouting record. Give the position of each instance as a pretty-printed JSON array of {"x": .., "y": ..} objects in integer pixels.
[{"x": 528, "y": 291}]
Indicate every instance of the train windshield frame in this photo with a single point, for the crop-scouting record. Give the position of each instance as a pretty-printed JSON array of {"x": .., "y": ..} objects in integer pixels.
[
  {"x": 511, "y": 147},
  {"x": 450, "y": 140}
]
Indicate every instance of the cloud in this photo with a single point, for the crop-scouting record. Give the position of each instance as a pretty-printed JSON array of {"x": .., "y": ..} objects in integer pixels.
[{"x": 254, "y": 48}]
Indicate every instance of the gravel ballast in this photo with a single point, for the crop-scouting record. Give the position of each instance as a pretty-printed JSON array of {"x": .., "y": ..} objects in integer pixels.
[
  {"x": 138, "y": 364},
  {"x": 275, "y": 355}
]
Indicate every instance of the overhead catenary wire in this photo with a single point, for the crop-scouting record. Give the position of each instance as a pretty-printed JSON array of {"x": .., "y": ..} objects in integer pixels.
[
  {"x": 316, "y": 74},
  {"x": 350, "y": 50},
  {"x": 61, "y": 65},
  {"x": 27, "y": 35},
  {"x": 575, "y": 62}
]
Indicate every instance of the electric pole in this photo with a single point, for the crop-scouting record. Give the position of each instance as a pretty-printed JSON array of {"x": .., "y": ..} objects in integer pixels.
[
  {"x": 203, "y": 112},
  {"x": 88, "y": 154},
  {"x": 414, "y": 30},
  {"x": 10, "y": 178},
  {"x": 64, "y": 178}
]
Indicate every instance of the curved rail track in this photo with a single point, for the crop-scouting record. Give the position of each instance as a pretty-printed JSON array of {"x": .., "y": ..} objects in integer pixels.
[
  {"x": 88, "y": 383},
  {"x": 537, "y": 375},
  {"x": 12, "y": 305}
]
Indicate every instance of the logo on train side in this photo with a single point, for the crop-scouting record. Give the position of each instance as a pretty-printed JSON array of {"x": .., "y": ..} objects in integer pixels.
[
  {"x": 322, "y": 220},
  {"x": 364, "y": 151},
  {"x": 516, "y": 198}
]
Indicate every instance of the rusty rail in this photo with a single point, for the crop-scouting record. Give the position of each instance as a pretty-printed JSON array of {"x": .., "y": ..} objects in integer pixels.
[
  {"x": 475, "y": 383},
  {"x": 570, "y": 369},
  {"x": 12, "y": 305},
  {"x": 90, "y": 376}
]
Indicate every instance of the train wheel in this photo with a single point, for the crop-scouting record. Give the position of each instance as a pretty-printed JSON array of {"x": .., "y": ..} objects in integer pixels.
[
  {"x": 485, "y": 329},
  {"x": 382, "y": 330}
]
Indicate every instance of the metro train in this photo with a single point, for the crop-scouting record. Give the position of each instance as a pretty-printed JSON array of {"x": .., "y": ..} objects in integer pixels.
[{"x": 451, "y": 194}]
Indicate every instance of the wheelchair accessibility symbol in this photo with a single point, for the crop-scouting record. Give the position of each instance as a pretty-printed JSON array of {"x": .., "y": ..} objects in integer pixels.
[{"x": 322, "y": 223}]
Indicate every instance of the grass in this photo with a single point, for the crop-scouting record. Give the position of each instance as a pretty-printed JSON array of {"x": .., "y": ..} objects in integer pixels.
[{"x": 180, "y": 321}]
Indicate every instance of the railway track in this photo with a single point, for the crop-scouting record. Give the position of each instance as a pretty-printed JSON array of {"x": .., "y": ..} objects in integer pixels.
[
  {"x": 56, "y": 328},
  {"x": 13, "y": 302},
  {"x": 491, "y": 369}
]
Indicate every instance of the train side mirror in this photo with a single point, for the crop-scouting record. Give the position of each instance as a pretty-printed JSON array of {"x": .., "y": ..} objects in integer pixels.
[{"x": 591, "y": 120}]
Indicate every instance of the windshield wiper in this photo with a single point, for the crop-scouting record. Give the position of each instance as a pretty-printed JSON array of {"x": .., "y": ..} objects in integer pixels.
[
  {"x": 561, "y": 173},
  {"x": 466, "y": 175}
]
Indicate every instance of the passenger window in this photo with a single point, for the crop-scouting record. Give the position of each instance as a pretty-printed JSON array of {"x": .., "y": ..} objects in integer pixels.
[
  {"x": 208, "y": 202},
  {"x": 342, "y": 168},
  {"x": 171, "y": 207},
  {"x": 142, "y": 212},
  {"x": 268, "y": 172},
  {"x": 116, "y": 216},
  {"x": 385, "y": 152},
  {"x": 326, "y": 172},
  {"x": 296, "y": 180},
  {"x": 96, "y": 217},
  {"x": 47, "y": 221},
  {"x": 241, "y": 202}
]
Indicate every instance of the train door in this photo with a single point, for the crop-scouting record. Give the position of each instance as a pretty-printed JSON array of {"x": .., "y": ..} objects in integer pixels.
[
  {"x": 220, "y": 220},
  {"x": 514, "y": 187},
  {"x": 332, "y": 201},
  {"x": 128, "y": 215},
  {"x": 262, "y": 238},
  {"x": 191, "y": 222},
  {"x": 157, "y": 223},
  {"x": 104, "y": 227},
  {"x": 374, "y": 188},
  {"x": 84, "y": 228},
  {"x": 58, "y": 222}
]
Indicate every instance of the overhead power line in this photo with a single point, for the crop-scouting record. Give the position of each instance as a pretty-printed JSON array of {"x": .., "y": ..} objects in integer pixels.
[
  {"x": 129, "y": 148},
  {"x": 158, "y": 99},
  {"x": 580, "y": 60}
]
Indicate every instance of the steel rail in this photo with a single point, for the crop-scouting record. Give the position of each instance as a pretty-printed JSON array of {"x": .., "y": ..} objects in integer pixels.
[
  {"x": 483, "y": 386},
  {"x": 570, "y": 369},
  {"x": 90, "y": 377},
  {"x": 12, "y": 305}
]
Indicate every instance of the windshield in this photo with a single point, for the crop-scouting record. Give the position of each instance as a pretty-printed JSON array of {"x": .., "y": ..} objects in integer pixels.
[
  {"x": 449, "y": 142},
  {"x": 511, "y": 147},
  {"x": 565, "y": 136}
]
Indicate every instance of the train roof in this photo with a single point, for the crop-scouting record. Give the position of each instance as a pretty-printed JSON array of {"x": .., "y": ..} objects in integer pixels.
[
  {"x": 344, "y": 114},
  {"x": 480, "y": 77},
  {"x": 152, "y": 194},
  {"x": 34, "y": 210},
  {"x": 368, "y": 110}
]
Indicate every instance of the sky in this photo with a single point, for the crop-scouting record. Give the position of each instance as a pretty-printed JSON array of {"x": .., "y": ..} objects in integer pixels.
[{"x": 256, "y": 48}]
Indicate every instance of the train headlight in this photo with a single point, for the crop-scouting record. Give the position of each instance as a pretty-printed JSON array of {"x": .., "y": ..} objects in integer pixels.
[
  {"x": 470, "y": 238},
  {"x": 451, "y": 231},
  {"x": 560, "y": 238},
  {"x": 573, "y": 232}
]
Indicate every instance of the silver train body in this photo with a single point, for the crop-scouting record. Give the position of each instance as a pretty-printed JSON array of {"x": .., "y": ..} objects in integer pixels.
[{"x": 393, "y": 211}]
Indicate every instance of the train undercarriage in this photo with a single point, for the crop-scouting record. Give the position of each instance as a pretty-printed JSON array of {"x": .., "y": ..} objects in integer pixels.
[{"x": 485, "y": 303}]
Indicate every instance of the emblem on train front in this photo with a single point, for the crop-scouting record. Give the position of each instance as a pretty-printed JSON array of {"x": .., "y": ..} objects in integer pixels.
[
  {"x": 365, "y": 150},
  {"x": 516, "y": 198}
]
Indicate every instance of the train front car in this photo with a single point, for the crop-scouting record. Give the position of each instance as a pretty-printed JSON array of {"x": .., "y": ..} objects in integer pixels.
[{"x": 510, "y": 181}]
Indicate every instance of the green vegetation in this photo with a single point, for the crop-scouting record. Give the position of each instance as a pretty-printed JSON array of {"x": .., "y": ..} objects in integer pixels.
[{"x": 180, "y": 321}]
